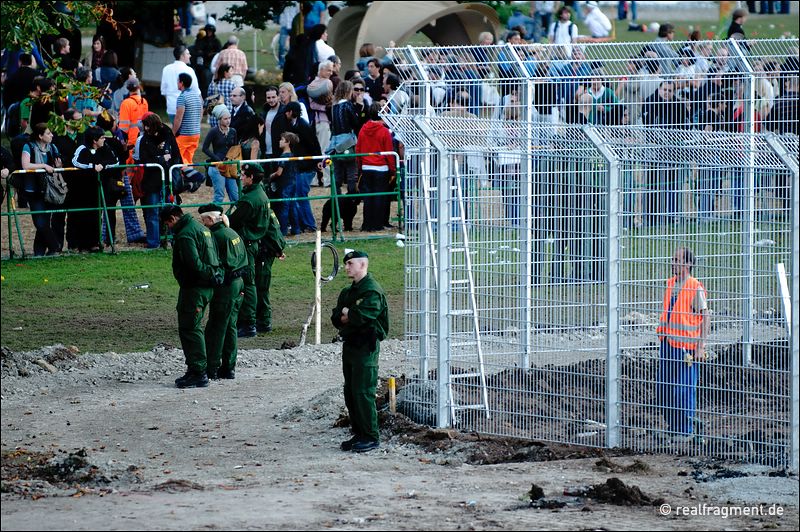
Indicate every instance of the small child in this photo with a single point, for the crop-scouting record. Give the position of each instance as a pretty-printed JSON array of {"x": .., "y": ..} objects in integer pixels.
[{"x": 283, "y": 183}]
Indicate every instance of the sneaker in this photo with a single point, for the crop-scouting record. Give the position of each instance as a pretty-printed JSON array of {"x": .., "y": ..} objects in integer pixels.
[
  {"x": 213, "y": 374},
  {"x": 263, "y": 328},
  {"x": 192, "y": 380},
  {"x": 363, "y": 446},
  {"x": 229, "y": 374},
  {"x": 248, "y": 331},
  {"x": 348, "y": 445}
]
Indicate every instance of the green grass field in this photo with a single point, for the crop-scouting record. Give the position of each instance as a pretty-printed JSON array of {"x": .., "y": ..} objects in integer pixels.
[{"x": 91, "y": 301}]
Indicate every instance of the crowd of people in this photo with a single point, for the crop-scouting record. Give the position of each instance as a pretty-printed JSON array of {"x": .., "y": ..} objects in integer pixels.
[{"x": 318, "y": 109}]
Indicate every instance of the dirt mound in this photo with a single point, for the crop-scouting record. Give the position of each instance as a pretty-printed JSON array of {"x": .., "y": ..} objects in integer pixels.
[
  {"x": 456, "y": 447},
  {"x": 616, "y": 492},
  {"x": 39, "y": 474}
]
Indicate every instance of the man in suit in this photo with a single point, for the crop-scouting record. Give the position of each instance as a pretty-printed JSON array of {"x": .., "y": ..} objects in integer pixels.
[{"x": 240, "y": 109}]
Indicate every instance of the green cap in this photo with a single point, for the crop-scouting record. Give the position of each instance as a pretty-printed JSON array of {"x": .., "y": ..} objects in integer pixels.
[
  {"x": 211, "y": 207},
  {"x": 252, "y": 168},
  {"x": 355, "y": 255}
]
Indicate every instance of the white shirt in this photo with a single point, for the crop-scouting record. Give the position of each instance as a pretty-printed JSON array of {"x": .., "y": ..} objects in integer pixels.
[
  {"x": 324, "y": 51},
  {"x": 169, "y": 83},
  {"x": 597, "y": 23},
  {"x": 563, "y": 32}
]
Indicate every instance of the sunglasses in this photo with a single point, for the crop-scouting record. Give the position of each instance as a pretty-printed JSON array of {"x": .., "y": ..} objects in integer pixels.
[{"x": 358, "y": 89}]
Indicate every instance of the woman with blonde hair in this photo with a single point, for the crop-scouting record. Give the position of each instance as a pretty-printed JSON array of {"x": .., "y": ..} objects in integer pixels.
[{"x": 287, "y": 94}]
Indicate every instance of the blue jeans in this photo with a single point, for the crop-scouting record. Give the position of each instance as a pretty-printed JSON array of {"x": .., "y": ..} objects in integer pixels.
[
  {"x": 151, "y": 221},
  {"x": 222, "y": 184},
  {"x": 283, "y": 47},
  {"x": 676, "y": 389},
  {"x": 302, "y": 188},
  {"x": 288, "y": 212}
]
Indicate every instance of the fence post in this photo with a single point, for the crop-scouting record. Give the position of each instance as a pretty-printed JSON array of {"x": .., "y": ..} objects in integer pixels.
[
  {"x": 747, "y": 243},
  {"x": 443, "y": 230},
  {"x": 427, "y": 238},
  {"x": 612, "y": 288},
  {"x": 790, "y": 160},
  {"x": 527, "y": 194}
]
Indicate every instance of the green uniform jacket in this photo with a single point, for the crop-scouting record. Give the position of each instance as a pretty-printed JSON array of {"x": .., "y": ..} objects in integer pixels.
[
  {"x": 273, "y": 242},
  {"x": 230, "y": 248},
  {"x": 194, "y": 258},
  {"x": 251, "y": 217},
  {"x": 368, "y": 312}
]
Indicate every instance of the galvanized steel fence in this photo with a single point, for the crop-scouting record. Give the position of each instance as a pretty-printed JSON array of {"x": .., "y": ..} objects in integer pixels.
[{"x": 538, "y": 250}]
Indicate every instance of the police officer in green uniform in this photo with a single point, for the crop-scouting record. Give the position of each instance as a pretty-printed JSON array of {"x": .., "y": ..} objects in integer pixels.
[
  {"x": 258, "y": 226},
  {"x": 221, "y": 333},
  {"x": 362, "y": 317},
  {"x": 195, "y": 266}
]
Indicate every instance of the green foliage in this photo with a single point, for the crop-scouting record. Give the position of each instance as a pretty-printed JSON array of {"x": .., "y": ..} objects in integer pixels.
[
  {"x": 91, "y": 301},
  {"x": 25, "y": 23},
  {"x": 255, "y": 14},
  {"x": 22, "y": 23}
]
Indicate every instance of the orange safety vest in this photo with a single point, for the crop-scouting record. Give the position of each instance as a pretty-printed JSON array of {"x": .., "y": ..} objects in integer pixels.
[
  {"x": 133, "y": 108},
  {"x": 682, "y": 328}
]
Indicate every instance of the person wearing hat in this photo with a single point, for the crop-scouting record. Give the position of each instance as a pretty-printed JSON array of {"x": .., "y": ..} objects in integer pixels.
[
  {"x": 221, "y": 334},
  {"x": 254, "y": 220},
  {"x": 195, "y": 265},
  {"x": 216, "y": 145},
  {"x": 362, "y": 318},
  {"x": 205, "y": 48}
]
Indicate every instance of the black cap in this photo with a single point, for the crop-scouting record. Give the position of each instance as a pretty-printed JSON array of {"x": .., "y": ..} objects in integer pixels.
[
  {"x": 210, "y": 27},
  {"x": 355, "y": 255},
  {"x": 211, "y": 207}
]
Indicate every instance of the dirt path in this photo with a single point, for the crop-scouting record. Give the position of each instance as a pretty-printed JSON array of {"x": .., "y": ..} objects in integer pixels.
[{"x": 262, "y": 452}]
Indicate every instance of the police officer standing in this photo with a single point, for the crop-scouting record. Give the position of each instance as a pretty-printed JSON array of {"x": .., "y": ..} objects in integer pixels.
[
  {"x": 221, "y": 333},
  {"x": 196, "y": 268},
  {"x": 255, "y": 222},
  {"x": 362, "y": 317}
]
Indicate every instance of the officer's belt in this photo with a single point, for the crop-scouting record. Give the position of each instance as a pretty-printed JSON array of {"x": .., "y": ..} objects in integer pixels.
[{"x": 231, "y": 276}]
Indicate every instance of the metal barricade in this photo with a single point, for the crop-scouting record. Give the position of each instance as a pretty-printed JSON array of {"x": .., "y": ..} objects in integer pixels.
[{"x": 540, "y": 238}]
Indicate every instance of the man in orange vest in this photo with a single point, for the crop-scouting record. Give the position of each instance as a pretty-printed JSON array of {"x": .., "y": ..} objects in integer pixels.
[
  {"x": 682, "y": 330},
  {"x": 133, "y": 108}
]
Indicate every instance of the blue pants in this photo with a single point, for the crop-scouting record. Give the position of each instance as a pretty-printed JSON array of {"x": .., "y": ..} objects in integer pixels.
[
  {"x": 223, "y": 184},
  {"x": 288, "y": 212},
  {"x": 676, "y": 389},
  {"x": 151, "y": 221},
  {"x": 302, "y": 188}
]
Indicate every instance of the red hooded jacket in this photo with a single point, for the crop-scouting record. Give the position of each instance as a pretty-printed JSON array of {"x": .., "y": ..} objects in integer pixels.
[{"x": 375, "y": 137}]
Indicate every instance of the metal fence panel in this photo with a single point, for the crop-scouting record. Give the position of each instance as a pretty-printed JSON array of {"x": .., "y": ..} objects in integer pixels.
[{"x": 538, "y": 252}]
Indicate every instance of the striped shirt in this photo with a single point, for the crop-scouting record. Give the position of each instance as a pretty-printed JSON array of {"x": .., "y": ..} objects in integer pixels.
[{"x": 193, "y": 112}]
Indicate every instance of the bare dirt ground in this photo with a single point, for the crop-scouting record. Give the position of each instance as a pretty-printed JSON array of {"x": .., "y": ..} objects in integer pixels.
[{"x": 105, "y": 441}]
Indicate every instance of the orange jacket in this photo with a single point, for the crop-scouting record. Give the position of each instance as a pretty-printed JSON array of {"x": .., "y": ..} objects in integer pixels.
[
  {"x": 683, "y": 327},
  {"x": 131, "y": 111}
]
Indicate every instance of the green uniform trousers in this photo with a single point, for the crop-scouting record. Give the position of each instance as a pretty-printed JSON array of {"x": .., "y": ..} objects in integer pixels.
[
  {"x": 263, "y": 282},
  {"x": 256, "y": 308},
  {"x": 221, "y": 333},
  {"x": 192, "y": 303},
  {"x": 360, "y": 369}
]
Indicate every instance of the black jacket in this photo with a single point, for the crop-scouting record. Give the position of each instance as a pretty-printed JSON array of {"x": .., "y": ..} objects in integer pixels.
[{"x": 152, "y": 149}]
